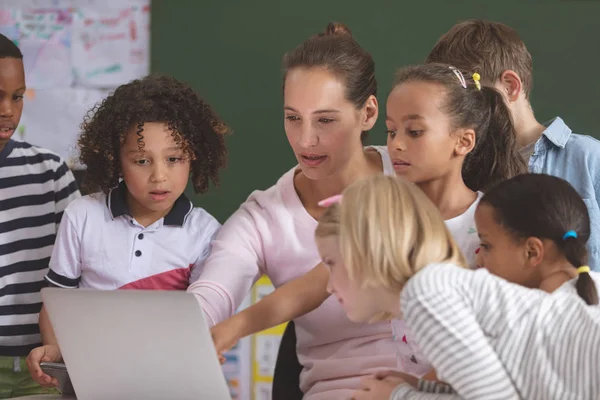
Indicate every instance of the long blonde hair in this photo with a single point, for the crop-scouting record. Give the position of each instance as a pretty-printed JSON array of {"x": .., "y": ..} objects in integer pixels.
[{"x": 388, "y": 231}]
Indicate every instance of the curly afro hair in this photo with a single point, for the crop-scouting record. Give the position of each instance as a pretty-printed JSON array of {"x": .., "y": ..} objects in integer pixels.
[{"x": 154, "y": 98}]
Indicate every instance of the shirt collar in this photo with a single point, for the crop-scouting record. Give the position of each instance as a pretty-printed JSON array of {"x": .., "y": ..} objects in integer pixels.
[
  {"x": 557, "y": 132},
  {"x": 8, "y": 147},
  {"x": 117, "y": 205}
]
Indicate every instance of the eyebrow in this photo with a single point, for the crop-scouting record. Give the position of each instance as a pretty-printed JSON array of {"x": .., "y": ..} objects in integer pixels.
[
  {"x": 414, "y": 116},
  {"x": 18, "y": 90},
  {"x": 173, "y": 148},
  {"x": 325, "y": 111}
]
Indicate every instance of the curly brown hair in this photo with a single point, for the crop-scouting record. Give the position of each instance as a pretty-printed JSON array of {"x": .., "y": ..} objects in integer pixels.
[{"x": 155, "y": 98}]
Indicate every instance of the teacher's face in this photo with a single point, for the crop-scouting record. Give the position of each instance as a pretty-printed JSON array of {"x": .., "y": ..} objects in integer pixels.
[{"x": 322, "y": 126}]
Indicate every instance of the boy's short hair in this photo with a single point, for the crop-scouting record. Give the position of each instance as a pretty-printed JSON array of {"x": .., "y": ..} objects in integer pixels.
[
  {"x": 486, "y": 47},
  {"x": 8, "y": 49}
]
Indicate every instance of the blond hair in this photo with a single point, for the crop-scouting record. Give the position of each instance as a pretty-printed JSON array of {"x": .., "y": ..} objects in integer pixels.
[{"x": 389, "y": 230}]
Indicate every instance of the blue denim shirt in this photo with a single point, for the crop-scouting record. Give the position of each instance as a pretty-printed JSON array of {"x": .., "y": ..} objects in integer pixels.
[{"x": 576, "y": 159}]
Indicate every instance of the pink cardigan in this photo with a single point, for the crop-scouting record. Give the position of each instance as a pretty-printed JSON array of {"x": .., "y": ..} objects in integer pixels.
[{"x": 273, "y": 234}]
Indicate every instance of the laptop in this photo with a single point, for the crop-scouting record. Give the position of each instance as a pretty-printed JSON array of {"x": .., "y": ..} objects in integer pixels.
[{"x": 135, "y": 344}]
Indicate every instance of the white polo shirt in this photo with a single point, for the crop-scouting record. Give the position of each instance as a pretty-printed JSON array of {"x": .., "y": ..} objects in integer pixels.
[{"x": 100, "y": 246}]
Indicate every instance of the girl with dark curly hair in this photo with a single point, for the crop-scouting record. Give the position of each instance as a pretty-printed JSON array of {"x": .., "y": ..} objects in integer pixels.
[{"x": 141, "y": 145}]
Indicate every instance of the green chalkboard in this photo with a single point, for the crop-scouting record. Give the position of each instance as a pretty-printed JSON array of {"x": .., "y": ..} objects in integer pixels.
[{"x": 230, "y": 52}]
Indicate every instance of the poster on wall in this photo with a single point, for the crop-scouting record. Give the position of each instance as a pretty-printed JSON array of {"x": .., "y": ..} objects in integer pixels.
[
  {"x": 44, "y": 37},
  {"x": 75, "y": 52},
  {"x": 265, "y": 346},
  {"x": 110, "y": 45}
]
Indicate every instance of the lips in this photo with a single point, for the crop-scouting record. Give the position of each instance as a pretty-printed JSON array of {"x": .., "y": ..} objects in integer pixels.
[
  {"x": 6, "y": 130},
  {"x": 400, "y": 164},
  {"x": 158, "y": 195},
  {"x": 311, "y": 159}
]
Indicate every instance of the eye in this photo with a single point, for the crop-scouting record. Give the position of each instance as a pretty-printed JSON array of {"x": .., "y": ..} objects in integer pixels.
[
  {"x": 326, "y": 120},
  {"x": 484, "y": 246},
  {"x": 18, "y": 97},
  {"x": 292, "y": 118},
  {"x": 391, "y": 134},
  {"x": 141, "y": 161},
  {"x": 174, "y": 159},
  {"x": 415, "y": 133}
]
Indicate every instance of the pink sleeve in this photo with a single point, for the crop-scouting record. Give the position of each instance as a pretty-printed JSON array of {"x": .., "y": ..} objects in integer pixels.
[{"x": 233, "y": 266}]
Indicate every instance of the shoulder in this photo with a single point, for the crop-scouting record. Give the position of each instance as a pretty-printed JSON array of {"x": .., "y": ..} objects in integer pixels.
[
  {"x": 202, "y": 223},
  {"x": 91, "y": 205},
  {"x": 386, "y": 161},
  {"x": 583, "y": 141},
  {"x": 272, "y": 200},
  {"x": 570, "y": 285},
  {"x": 35, "y": 155},
  {"x": 435, "y": 278}
]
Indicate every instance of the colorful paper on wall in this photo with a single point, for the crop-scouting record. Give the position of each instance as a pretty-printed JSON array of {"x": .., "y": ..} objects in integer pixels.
[
  {"x": 52, "y": 118},
  {"x": 110, "y": 45},
  {"x": 265, "y": 348},
  {"x": 44, "y": 37}
]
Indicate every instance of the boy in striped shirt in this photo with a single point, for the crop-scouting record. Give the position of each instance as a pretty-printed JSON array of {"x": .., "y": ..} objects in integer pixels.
[{"x": 35, "y": 187}]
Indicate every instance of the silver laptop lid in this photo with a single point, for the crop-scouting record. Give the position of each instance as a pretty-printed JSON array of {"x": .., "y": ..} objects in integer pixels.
[{"x": 134, "y": 344}]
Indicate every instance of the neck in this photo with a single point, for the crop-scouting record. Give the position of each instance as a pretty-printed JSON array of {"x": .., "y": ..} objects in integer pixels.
[
  {"x": 556, "y": 274},
  {"x": 359, "y": 166},
  {"x": 390, "y": 302},
  {"x": 141, "y": 214},
  {"x": 528, "y": 130},
  {"x": 449, "y": 194}
]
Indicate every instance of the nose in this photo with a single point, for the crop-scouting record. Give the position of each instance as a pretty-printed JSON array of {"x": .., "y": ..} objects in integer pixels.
[
  {"x": 6, "y": 107},
  {"x": 397, "y": 142},
  {"x": 308, "y": 137},
  {"x": 159, "y": 172}
]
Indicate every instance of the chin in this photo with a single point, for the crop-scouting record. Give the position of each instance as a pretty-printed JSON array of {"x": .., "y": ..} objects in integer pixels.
[{"x": 316, "y": 174}]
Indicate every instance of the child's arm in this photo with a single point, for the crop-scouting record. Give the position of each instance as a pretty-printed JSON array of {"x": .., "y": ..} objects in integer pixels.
[
  {"x": 65, "y": 189},
  {"x": 49, "y": 352},
  {"x": 65, "y": 271},
  {"x": 48, "y": 337},
  {"x": 290, "y": 301}
]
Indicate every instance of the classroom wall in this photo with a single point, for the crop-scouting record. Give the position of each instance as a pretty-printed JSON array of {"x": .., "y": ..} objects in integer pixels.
[{"x": 230, "y": 52}]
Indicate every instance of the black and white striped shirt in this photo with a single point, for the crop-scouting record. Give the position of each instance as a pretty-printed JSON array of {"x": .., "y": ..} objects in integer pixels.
[
  {"x": 35, "y": 188},
  {"x": 490, "y": 339}
]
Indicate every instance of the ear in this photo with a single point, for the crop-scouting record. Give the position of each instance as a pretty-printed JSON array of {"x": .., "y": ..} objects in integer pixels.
[
  {"x": 465, "y": 142},
  {"x": 369, "y": 113},
  {"x": 510, "y": 85},
  {"x": 534, "y": 252}
]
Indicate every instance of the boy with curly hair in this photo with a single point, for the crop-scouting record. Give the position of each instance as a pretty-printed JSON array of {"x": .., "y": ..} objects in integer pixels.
[
  {"x": 35, "y": 187},
  {"x": 140, "y": 146}
]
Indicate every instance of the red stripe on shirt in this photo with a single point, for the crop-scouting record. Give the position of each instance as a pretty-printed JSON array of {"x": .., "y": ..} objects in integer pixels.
[{"x": 176, "y": 279}]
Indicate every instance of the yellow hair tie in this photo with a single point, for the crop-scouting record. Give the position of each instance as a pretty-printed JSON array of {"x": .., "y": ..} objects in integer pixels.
[
  {"x": 583, "y": 269},
  {"x": 476, "y": 79}
]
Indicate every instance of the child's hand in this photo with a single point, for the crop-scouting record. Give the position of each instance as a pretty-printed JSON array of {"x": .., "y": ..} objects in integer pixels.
[
  {"x": 48, "y": 353},
  {"x": 225, "y": 336},
  {"x": 372, "y": 388}
]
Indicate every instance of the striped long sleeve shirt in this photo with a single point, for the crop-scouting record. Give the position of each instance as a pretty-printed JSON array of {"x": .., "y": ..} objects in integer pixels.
[
  {"x": 490, "y": 339},
  {"x": 35, "y": 188}
]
